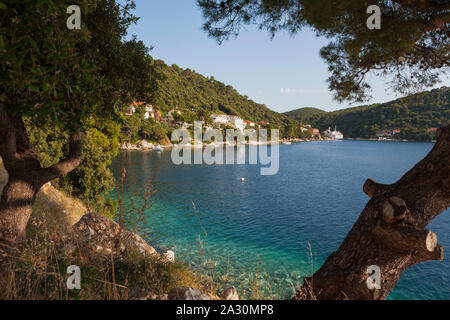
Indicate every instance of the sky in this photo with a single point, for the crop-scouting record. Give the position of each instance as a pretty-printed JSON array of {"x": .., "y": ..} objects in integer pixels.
[{"x": 284, "y": 73}]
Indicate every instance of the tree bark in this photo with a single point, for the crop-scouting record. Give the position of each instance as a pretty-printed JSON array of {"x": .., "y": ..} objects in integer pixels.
[
  {"x": 25, "y": 176},
  {"x": 390, "y": 232}
]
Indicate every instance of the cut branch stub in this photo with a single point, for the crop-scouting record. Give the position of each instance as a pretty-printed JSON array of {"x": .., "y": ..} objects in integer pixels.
[
  {"x": 408, "y": 239},
  {"x": 431, "y": 241},
  {"x": 394, "y": 210},
  {"x": 372, "y": 188}
]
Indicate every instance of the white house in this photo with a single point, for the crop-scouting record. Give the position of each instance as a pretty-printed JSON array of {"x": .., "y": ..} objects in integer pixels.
[
  {"x": 129, "y": 111},
  {"x": 220, "y": 119},
  {"x": 249, "y": 123},
  {"x": 237, "y": 122},
  {"x": 152, "y": 111}
]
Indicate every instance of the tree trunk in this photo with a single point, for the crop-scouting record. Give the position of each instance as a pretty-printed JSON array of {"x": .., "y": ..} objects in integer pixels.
[
  {"x": 389, "y": 233},
  {"x": 25, "y": 176}
]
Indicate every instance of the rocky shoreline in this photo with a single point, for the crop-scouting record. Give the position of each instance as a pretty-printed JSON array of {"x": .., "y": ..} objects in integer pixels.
[
  {"x": 143, "y": 145},
  {"x": 97, "y": 234}
]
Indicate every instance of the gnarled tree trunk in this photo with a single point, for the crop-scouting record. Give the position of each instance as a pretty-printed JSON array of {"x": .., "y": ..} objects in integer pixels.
[
  {"x": 25, "y": 176},
  {"x": 389, "y": 233}
]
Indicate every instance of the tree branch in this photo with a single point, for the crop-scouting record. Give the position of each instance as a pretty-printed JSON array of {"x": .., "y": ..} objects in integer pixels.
[
  {"x": 389, "y": 233},
  {"x": 71, "y": 162},
  {"x": 372, "y": 188}
]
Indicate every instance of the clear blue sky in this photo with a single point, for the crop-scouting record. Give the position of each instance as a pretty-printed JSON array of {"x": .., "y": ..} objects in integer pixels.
[{"x": 284, "y": 73}]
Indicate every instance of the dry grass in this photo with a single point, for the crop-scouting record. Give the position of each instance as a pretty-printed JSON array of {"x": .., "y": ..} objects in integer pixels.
[{"x": 39, "y": 270}]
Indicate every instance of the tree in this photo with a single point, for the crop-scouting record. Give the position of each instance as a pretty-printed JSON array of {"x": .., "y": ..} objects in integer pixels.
[
  {"x": 59, "y": 77},
  {"x": 413, "y": 46}
]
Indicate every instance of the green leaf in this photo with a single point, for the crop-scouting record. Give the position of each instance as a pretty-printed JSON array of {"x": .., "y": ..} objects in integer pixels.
[{"x": 35, "y": 46}]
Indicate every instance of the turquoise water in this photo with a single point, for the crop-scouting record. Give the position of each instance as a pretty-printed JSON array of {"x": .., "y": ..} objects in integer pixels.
[{"x": 256, "y": 234}]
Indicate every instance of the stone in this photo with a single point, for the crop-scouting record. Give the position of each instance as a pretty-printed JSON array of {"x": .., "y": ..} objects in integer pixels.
[
  {"x": 187, "y": 294},
  {"x": 144, "y": 144},
  {"x": 230, "y": 294},
  {"x": 103, "y": 235},
  {"x": 169, "y": 256}
]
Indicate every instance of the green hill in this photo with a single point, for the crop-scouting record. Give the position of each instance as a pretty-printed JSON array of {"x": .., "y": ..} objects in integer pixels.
[
  {"x": 413, "y": 115},
  {"x": 306, "y": 114},
  {"x": 185, "y": 88}
]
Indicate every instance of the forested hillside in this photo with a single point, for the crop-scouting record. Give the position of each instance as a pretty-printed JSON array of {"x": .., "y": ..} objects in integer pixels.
[
  {"x": 413, "y": 115},
  {"x": 185, "y": 88},
  {"x": 306, "y": 114}
]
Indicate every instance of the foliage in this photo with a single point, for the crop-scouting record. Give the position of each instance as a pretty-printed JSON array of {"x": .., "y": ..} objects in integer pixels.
[
  {"x": 412, "y": 45},
  {"x": 306, "y": 114},
  {"x": 59, "y": 80},
  {"x": 135, "y": 128},
  {"x": 92, "y": 178},
  {"x": 413, "y": 115},
  {"x": 185, "y": 89}
]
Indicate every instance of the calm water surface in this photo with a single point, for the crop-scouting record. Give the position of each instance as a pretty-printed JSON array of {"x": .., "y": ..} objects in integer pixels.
[{"x": 256, "y": 234}]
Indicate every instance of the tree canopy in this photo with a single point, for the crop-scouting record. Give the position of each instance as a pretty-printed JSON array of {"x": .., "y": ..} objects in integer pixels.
[
  {"x": 53, "y": 74},
  {"x": 411, "y": 49},
  {"x": 55, "y": 83}
]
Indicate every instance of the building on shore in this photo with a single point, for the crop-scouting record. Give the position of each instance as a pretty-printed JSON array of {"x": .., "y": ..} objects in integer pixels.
[
  {"x": 219, "y": 119},
  {"x": 249, "y": 123},
  {"x": 151, "y": 111},
  {"x": 314, "y": 132},
  {"x": 237, "y": 122},
  {"x": 387, "y": 133}
]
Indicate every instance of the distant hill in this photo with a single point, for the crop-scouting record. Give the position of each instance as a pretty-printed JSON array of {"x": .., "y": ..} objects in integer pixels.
[
  {"x": 185, "y": 88},
  {"x": 306, "y": 114},
  {"x": 413, "y": 115}
]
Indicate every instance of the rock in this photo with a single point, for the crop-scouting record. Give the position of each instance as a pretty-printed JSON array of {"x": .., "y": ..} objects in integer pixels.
[
  {"x": 169, "y": 256},
  {"x": 103, "y": 235},
  {"x": 187, "y": 294},
  {"x": 144, "y": 144},
  {"x": 230, "y": 294}
]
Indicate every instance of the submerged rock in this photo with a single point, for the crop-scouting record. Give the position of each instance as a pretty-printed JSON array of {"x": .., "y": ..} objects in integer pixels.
[
  {"x": 187, "y": 294},
  {"x": 169, "y": 256},
  {"x": 104, "y": 235},
  {"x": 230, "y": 294}
]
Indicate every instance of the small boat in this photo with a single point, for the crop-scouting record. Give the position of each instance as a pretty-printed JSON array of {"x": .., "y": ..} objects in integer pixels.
[
  {"x": 158, "y": 148},
  {"x": 287, "y": 142}
]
